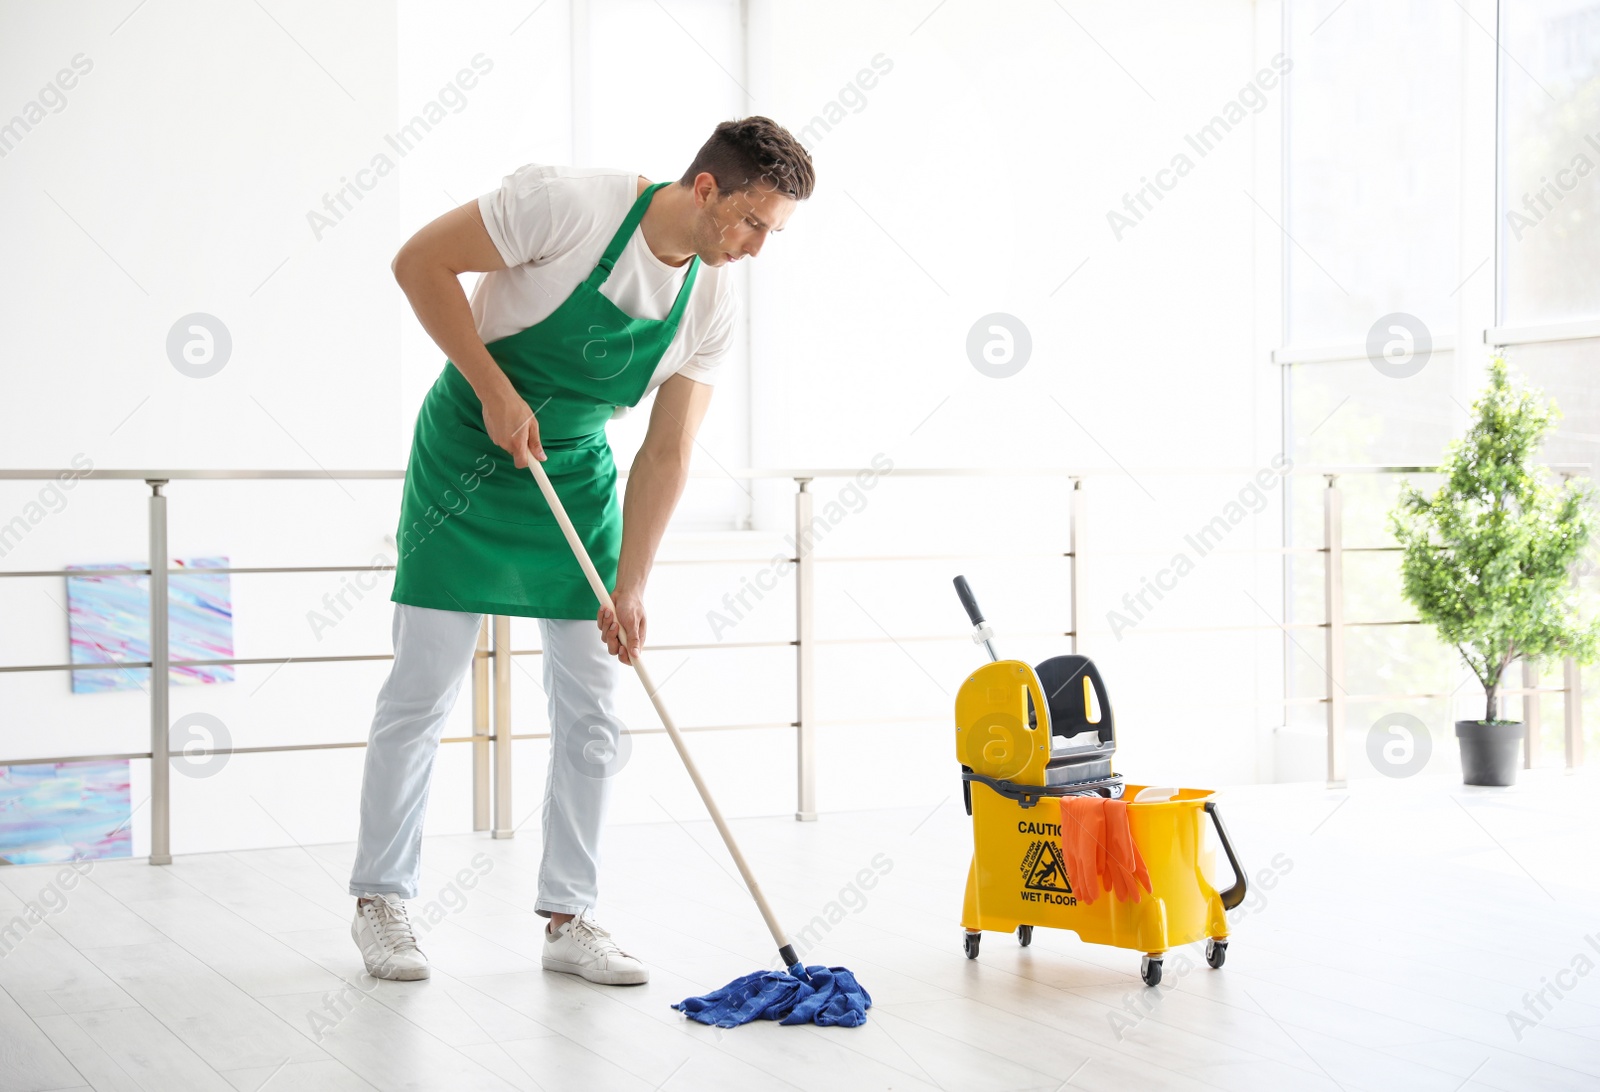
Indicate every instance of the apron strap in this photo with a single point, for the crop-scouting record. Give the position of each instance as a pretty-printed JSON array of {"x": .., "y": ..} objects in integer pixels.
[
  {"x": 682, "y": 301},
  {"x": 630, "y": 224}
]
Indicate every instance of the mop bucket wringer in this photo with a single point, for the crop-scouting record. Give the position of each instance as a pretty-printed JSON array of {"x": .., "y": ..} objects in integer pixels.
[{"x": 1029, "y": 739}]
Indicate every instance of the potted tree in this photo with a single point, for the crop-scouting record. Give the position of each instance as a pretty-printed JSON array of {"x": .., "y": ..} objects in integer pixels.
[{"x": 1487, "y": 560}]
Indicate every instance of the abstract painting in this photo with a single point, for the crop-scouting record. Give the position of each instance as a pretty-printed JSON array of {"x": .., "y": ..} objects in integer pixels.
[
  {"x": 109, "y": 620},
  {"x": 62, "y": 811}
]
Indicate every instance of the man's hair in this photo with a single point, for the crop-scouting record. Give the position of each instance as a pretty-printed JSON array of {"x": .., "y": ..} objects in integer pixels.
[{"x": 754, "y": 151}]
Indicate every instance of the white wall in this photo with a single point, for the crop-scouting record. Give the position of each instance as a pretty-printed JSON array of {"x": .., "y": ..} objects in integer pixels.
[{"x": 975, "y": 178}]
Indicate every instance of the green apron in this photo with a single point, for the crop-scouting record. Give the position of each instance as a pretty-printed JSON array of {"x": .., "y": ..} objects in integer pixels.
[{"x": 475, "y": 532}]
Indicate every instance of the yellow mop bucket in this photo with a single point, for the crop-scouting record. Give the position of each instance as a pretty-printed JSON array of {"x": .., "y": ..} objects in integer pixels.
[{"x": 1026, "y": 739}]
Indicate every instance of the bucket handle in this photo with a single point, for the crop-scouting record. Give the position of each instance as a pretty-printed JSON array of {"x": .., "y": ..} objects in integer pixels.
[{"x": 1234, "y": 895}]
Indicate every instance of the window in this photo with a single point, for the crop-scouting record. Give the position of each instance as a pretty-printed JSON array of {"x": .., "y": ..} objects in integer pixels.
[
  {"x": 1549, "y": 161},
  {"x": 1388, "y": 218},
  {"x": 1374, "y": 121}
]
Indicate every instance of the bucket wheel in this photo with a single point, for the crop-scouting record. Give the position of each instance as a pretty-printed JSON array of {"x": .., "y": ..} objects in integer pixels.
[
  {"x": 971, "y": 944},
  {"x": 1024, "y": 935},
  {"x": 1216, "y": 951},
  {"x": 1150, "y": 969}
]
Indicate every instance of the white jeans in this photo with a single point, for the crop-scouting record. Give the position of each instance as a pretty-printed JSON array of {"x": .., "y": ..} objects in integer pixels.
[{"x": 432, "y": 653}]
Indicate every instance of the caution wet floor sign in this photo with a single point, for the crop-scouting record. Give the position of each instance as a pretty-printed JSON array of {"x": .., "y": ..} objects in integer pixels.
[{"x": 1045, "y": 875}]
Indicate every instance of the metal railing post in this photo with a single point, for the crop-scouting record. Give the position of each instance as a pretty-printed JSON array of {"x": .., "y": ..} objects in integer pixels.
[
  {"x": 1572, "y": 699},
  {"x": 160, "y": 711},
  {"x": 480, "y": 729},
  {"x": 1572, "y": 691},
  {"x": 1572, "y": 705},
  {"x": 502, "y": 727},
  {"x": 1530, "y": 713},
  {"x": 1333, "y": 597},
  {"x": 1075, "y": 514},
  {"x": 805, "y": 679}
]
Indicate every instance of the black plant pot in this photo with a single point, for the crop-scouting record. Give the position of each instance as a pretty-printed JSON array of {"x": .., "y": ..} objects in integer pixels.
[{"x": 1490, "y": 753}]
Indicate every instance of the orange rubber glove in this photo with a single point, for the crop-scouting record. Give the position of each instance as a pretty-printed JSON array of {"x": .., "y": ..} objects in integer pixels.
[
  {"x": 1082, "y": 841},
  {"x": 1124, "y": 861},
  {"x": 1095, "y": 829},
  {"x": 1071, "y": 838}
]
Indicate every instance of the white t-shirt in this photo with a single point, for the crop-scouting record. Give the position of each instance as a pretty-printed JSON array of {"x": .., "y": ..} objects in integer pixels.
[{"x": 551, "y": 225}]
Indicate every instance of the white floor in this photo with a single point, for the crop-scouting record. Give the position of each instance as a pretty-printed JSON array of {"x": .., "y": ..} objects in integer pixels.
[{"x": 1406, "y": 920}]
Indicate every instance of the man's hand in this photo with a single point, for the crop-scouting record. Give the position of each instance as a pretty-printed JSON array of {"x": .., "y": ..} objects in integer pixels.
[
  {"x": 511, "y": 425},
  {"x": 630, "y": 615}
]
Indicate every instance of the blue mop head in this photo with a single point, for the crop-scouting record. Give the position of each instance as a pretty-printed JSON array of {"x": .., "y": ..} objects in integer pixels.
[{"x": 828, "y": 996}]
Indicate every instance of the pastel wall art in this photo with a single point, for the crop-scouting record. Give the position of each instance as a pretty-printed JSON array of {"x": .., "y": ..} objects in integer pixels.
[
  {"x": 109, "y": 621},
  {"x": 63, "y": 811}
]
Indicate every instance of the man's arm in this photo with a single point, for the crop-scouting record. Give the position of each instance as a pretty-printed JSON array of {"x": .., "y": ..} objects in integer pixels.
[
  {"x": 426, "y": 268},
  {"x": 654, "y": 485}
]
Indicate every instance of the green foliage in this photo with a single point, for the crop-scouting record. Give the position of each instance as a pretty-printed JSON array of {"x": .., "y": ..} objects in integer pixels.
[{"x": 1488, "y": 559}]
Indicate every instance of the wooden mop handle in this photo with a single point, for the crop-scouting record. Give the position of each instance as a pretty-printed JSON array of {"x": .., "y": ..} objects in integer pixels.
[{"x": 784, "y": 949}]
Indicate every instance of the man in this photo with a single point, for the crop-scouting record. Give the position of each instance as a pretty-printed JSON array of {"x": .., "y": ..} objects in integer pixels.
[{"x": 598, "y": 287}]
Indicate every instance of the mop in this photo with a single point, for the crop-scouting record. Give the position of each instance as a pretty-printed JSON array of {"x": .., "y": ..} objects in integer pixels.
[{"x": 828, "y": 996}]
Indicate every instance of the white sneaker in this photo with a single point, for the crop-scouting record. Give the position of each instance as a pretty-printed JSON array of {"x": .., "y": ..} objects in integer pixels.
[
  {"x": 582, "y": 947},
  {"x": 388, "y": 946}
]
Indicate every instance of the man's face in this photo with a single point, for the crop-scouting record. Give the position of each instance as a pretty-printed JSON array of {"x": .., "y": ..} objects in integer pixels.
[{"x": 729, "y": 228}]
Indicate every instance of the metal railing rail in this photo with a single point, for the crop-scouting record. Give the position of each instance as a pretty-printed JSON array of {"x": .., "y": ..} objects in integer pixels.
[{"x": 491, "y": 667}]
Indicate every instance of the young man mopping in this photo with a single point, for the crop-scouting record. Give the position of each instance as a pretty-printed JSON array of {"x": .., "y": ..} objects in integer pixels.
[{"x": 598, "y": 287}]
